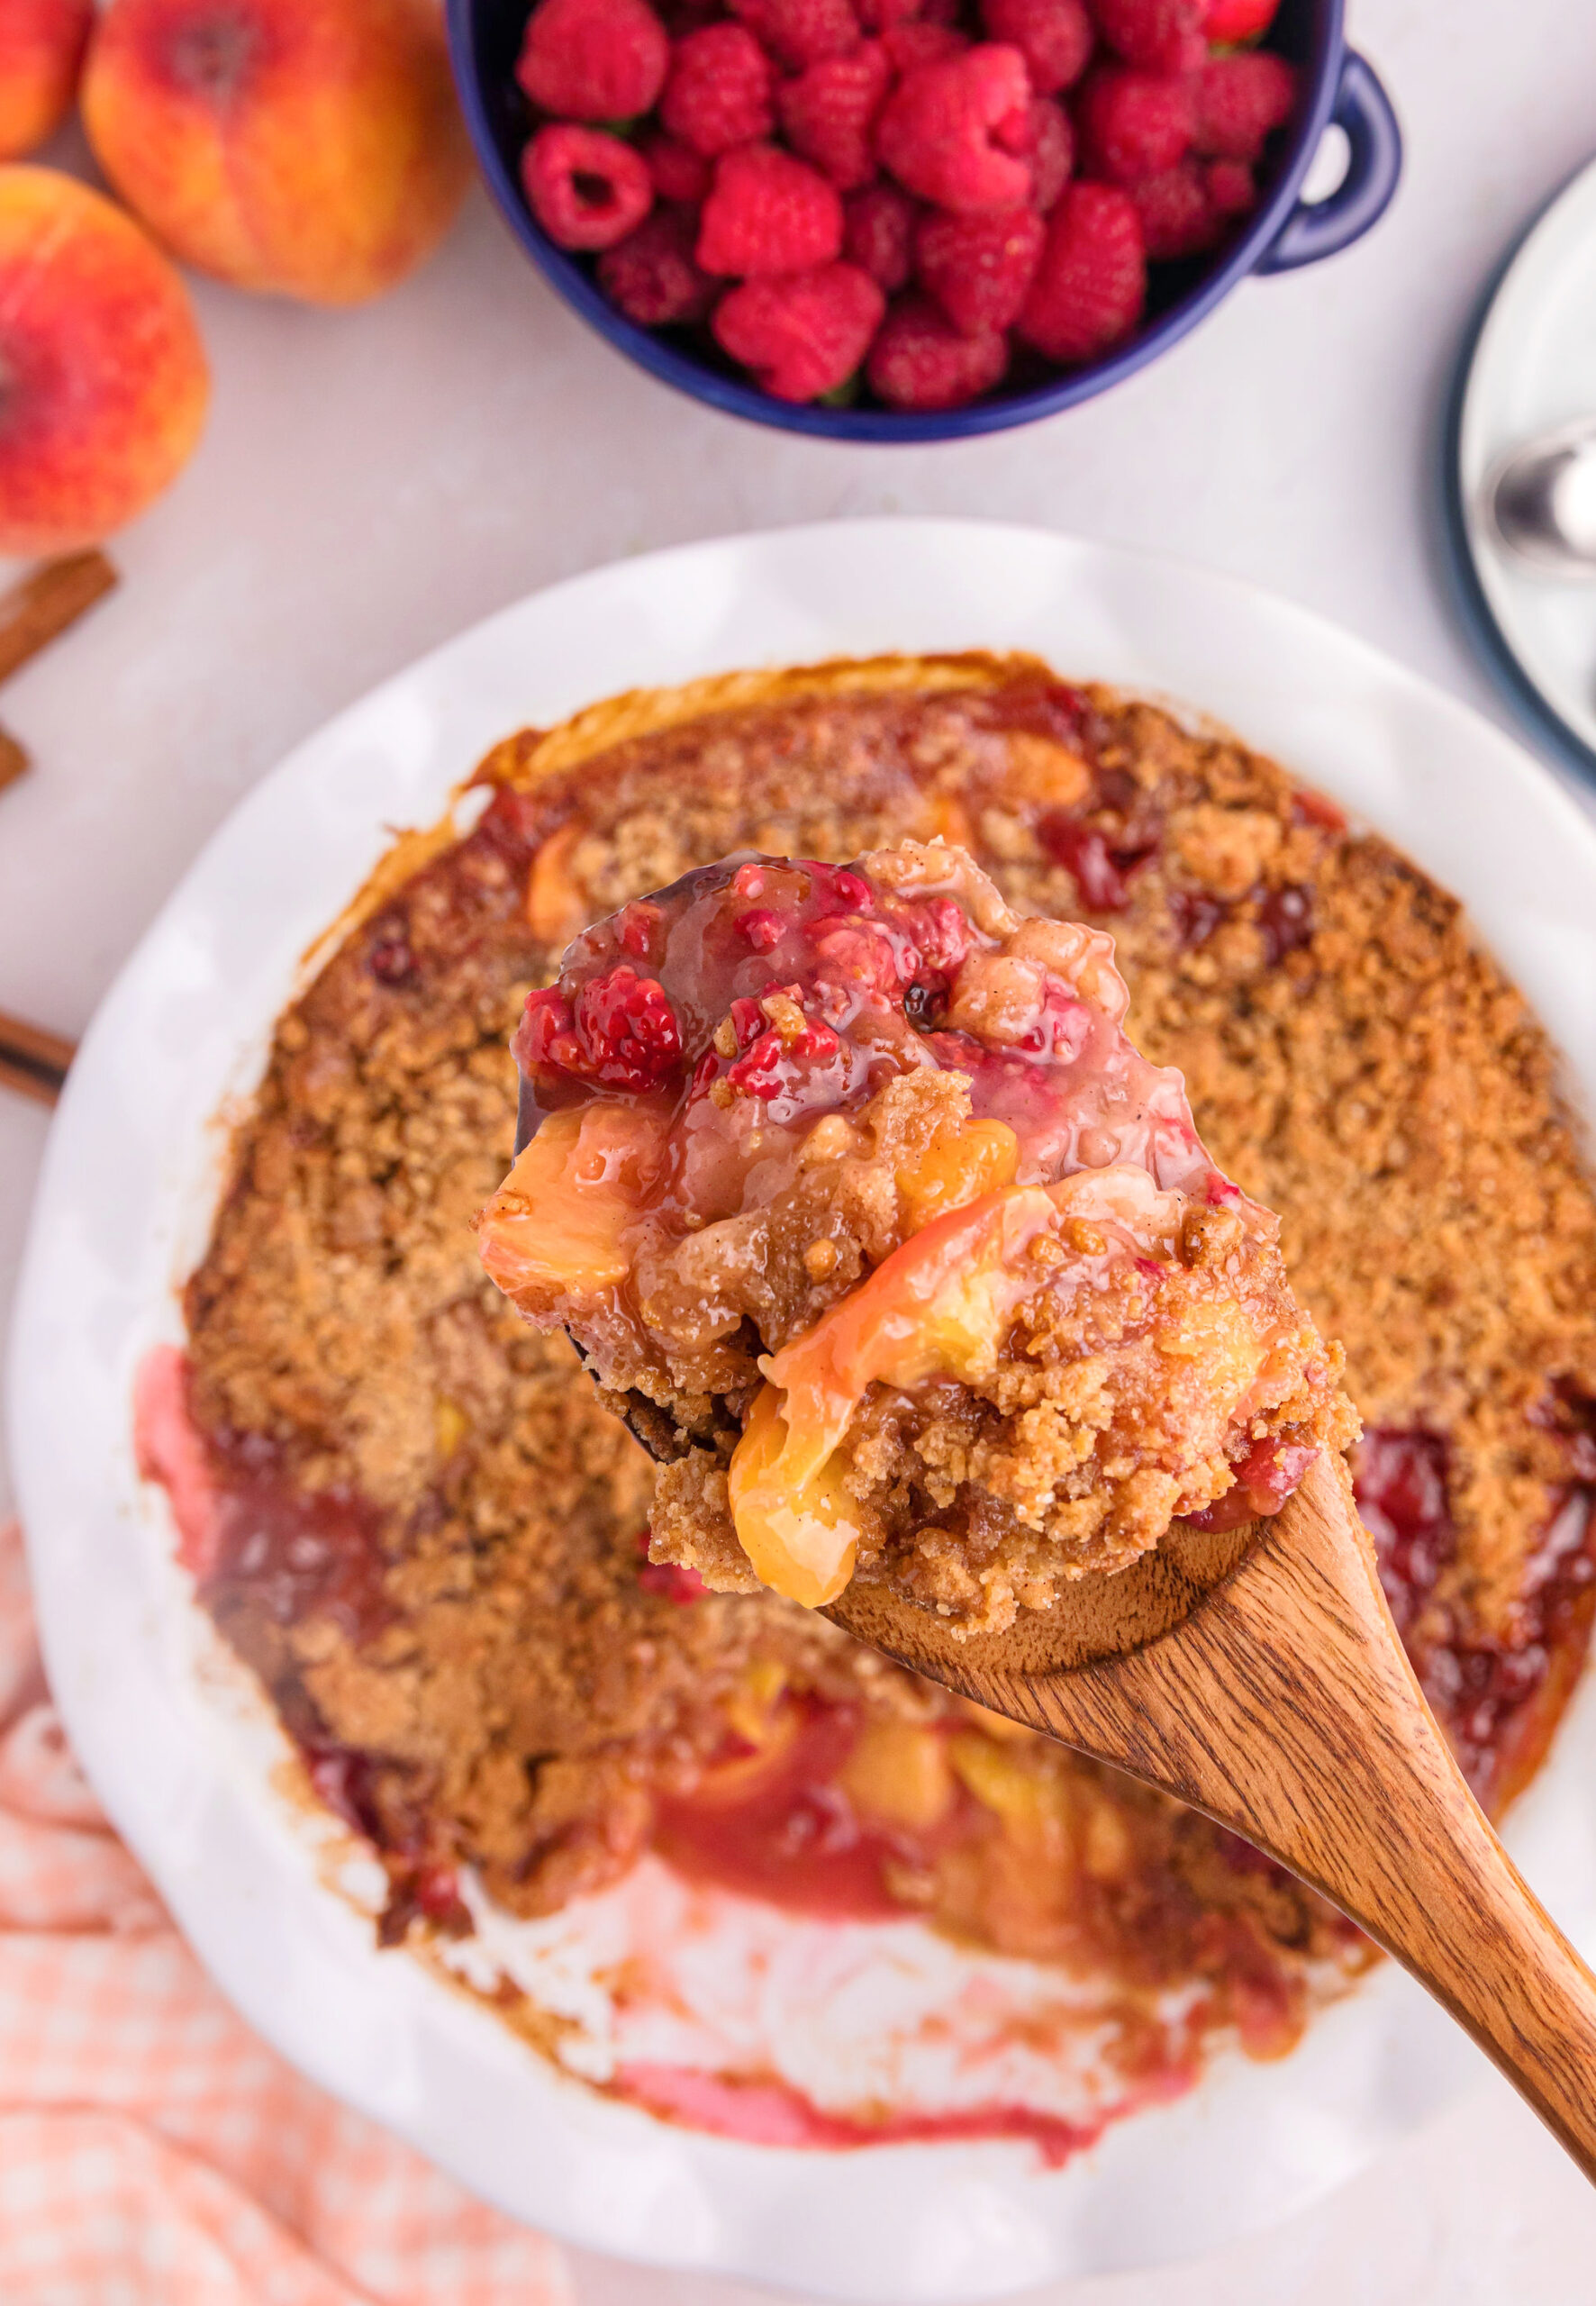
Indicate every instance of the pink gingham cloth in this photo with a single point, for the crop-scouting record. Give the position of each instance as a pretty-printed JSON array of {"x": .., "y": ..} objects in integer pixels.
[{"x": 152, "y": 2151}]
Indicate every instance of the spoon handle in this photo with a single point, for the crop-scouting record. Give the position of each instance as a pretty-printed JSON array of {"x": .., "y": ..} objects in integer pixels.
[{"x": 1286, "y": 1709}]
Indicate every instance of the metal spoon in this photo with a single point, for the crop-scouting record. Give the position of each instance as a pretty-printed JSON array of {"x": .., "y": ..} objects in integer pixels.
[{"x": 1540, "y": 502}]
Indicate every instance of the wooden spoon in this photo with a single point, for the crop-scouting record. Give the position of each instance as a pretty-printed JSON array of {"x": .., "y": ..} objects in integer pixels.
[{"x": 1258, "y": 1676}]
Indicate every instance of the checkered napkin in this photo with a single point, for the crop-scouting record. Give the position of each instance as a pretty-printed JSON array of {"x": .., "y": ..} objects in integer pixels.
[{"x": 152, "y": 2151}]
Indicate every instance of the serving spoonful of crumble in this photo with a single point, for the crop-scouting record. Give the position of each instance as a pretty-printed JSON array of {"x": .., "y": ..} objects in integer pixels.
[
  {"x": 916, "y": 1280},
  {"x": 911, "y": 1267}
]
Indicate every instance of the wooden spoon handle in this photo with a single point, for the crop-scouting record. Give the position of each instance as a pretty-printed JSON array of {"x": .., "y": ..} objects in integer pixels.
[{"x": 1286, "y": 1707}]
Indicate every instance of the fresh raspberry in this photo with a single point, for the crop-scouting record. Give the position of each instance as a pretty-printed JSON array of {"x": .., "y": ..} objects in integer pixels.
[
  {"x": 979, "y": 269},
  {"x": 1134, "y": 124},
  {"x": 1054, "y": 36},
  {"x": 1227, "y": 23},
  {"x": 910, "y": 44},
  {"x": 1230, "y": 187},
  {"x": 828, "y": 113},
  {"x": 650, "y": 276},
  {"x": 797, "y": 32},
  {"x": 878, "y": 234},
  {"x": 769, "y": 213},
  {"x": 1091, "y": 284},
  {"x": 804, "y": 333},
  {"x": 950, "y": 130},
  {"x": 879, "y": 16},
  {"x": 1239, "y": 100},
  {"x": 1052, "y": 153},
  {"x": 587, "y": 189},
  {"x": 594, "y": 60},
  {"x": 620, "y": 1031},
  {"x": 920, "y": 360},
  {"x": 679, "y": 173},
  {"x": 1160, "y": 35},
  {"x": 1177, "y": 216},
  {"x": 719, "y": 92}
]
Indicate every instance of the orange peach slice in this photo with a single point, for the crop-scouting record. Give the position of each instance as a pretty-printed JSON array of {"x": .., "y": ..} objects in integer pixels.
[{"x": 554, "y": 1229}]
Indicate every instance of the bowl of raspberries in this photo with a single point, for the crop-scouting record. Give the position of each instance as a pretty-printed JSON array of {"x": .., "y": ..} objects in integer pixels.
[{"x": 913, "y": 219}]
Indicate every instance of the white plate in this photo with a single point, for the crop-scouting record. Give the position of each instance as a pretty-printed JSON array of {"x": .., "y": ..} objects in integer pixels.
[
  {"x": 1532, "y": 366},
  {"x": 124, "y": 1206}
]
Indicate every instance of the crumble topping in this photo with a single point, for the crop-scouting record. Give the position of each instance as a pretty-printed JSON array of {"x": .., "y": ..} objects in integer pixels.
[{"x": 429, "y": 1534}]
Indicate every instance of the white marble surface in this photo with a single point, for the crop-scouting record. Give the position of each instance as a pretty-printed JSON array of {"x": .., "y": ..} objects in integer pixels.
[{"x": 373, "y": 481}]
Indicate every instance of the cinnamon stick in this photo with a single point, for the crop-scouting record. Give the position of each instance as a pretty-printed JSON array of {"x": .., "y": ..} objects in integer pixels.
[
  {"x": 46, "y": 602},
  {"x": 14, "y": 760},
  {"x": 31, "y": 1060}
]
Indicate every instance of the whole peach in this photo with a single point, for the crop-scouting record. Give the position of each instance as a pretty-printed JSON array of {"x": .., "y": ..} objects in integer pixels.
[
  {"x": 309, "y": 147},
  {"x": 42, "y": 44},
  {"x": 102, "y": 377}
]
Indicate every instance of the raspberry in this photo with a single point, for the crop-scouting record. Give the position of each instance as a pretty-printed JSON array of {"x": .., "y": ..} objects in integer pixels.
[
  {"x": 828, "y": 113},
  {"x": 679, "y": 173},
  {"x": 769, "y": 213},
  {"x": 944, "y": 127},
  {"x": 620, "y": 1031},
  {"x": 1052, "y": 153},
  {"x": 979, "y": 269},
  {"x": 650, "y": 276},
  {"x": 797, "y": 32},
  {"x": 1054, "y": 36},
  {"x": 587, "y": 189},
  {"x": 1177, "y": 216},
  {"x": 594, "y": 60},
  {"x": 878, "y": 15},
  {"x": 1228, "y": 22},
  {"x": 718, "y": 91},
  {"x": 1091, "y": 284},
  {"x": 804, "y": 333},
  {"x": 908, "y": 45},
  {"x": 1239, "y": 100},
  {"x": 1103, "y": 874},
  {"x": 1134, "y": 124},
  {"x": 1230, "y": 187},
  {"x": 1160, "y": 35},
  {"x": 920, "y": 360},
  {"x": 878, "y": 234}
]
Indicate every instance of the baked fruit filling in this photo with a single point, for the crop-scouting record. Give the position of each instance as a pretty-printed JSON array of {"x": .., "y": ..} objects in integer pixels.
[{"x": 856, "y": 1175}]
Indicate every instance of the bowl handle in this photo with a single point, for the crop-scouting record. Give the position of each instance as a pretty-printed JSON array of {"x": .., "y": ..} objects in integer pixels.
[{"x": 1319, "y": 228}]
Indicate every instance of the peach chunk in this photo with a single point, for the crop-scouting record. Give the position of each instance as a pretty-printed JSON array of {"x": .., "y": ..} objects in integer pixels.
[
  {"x": 555, "y": 1229},
  {"x": 309, "y": 147},
  {"x": 105, "y": 382},
  {"x": 41, "y": 45}
]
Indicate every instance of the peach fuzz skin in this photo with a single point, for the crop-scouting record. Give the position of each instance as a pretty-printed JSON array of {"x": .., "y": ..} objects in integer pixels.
[
  {"x": 307, "y": 147},
  {"x": 42, "y": 44},
  {"x": 104, "y": 385}
]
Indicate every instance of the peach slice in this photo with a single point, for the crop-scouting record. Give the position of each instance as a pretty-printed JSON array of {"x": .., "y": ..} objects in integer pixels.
[{"x": 554, "y": 1229}]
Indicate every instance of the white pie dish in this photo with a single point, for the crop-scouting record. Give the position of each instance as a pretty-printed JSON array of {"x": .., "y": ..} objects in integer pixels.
[{"x": 123, "y": 1208}]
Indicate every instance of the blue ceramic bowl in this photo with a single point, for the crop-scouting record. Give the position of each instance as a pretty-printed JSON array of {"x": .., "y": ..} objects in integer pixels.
[{"x": 1283, "y": 232}]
